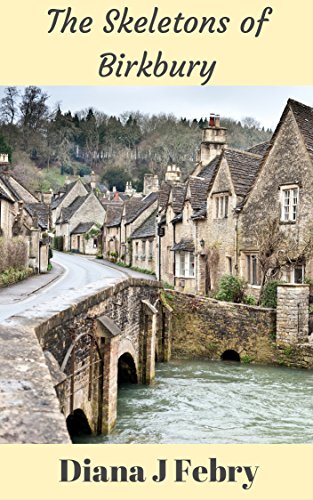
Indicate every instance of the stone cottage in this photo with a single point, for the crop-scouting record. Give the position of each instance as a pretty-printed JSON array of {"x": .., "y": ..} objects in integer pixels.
[
  {"x": 80, "y": 223},
  {"x": 21, "y": 214},
  {"x": 275, "y": 237}
]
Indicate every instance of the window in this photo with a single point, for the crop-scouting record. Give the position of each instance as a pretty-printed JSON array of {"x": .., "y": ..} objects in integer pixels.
[
  {"x": 95, "y": 243},
  {"x": 143, "y": 253},
  {"x": 289, "y": 203},
  {"x": 229, "y": 262},
  {"x": 150, "y": 249},
  {"x": 221, "y": 206},
  {"x": 253, "y": 274},
  {"x": 136, "y": 250},
  {"x": 294, "y": 274},
  {"x": 185, "y": 264}
]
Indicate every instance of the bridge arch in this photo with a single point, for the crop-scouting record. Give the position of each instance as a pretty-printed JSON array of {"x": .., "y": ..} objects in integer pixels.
[
  {"x": 78, "y": 424},
  {"x": 230, "y": 355},
  {"x": 126, "y": 371}
]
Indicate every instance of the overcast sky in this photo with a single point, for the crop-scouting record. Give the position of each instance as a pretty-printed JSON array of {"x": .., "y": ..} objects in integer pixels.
[{"x": 263, "y": 103}]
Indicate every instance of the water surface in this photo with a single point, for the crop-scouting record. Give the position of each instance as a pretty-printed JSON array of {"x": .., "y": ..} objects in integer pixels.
[{"x": 216, "y": 402}]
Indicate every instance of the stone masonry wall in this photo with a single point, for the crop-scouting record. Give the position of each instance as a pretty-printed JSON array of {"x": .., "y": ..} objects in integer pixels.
[{"x": 206, "y": 328}]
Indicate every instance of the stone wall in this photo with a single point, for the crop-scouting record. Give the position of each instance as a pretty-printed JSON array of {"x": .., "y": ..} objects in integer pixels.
[
  {"x": 206, "y": 328},
  {"x": 293, "y": 313}
]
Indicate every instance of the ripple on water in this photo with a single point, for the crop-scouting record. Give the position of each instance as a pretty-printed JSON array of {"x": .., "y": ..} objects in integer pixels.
[{"x": 215, "y": 402}]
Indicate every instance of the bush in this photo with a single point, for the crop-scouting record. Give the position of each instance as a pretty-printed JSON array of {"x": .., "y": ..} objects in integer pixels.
[
  {"x": 230, "y": 289},
  {"x": 249, "y": 300},
  {"x": 58, "y": 243},
  {"x": 13, "y": 254},
  {"x": 269, "y": 294}
]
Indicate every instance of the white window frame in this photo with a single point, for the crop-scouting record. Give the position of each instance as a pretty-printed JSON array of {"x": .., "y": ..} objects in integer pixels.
[
  {"x": 184, "y": 265},
  {"x": 289, "y": 202},
  {"x": 221, "y": 206},
  {"x": 289, "y": 273}
]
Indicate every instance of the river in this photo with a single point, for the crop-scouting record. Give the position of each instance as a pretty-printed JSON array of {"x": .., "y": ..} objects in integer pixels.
[{"x": 215, "y": 402}]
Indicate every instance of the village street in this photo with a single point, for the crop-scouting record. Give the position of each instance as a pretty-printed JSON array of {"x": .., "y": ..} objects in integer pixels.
[{"x": 69, "y": 272}]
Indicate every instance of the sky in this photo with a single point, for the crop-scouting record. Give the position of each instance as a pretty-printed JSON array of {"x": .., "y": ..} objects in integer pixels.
[{"x": 265, "y": 104}]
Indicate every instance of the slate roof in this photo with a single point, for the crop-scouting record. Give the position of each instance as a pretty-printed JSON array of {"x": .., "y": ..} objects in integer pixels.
[
  {"x": 198, "y": 192},
  {"x": 68, "y": 212},
  {"x": 134, "y": 207},
  {"x": 304, "y": 117},
  {"x": 5, "y": 195},
  {"x": 164, "y": 194},
  {"x": 184, "y": 245},
  {"x": 147, "y": 229},
  {"x": 178, "y": 197},
  {"x": 17, "y": 190},
  {"x": 243, "y": 168},
  {"x": 83, "y": 228},
  {"x": 40, "y": 210},
  {"x": 209, "y": 170},
  {"x": 259, "y": 149},
  {"x": 61, "y": 194},
  {"x": 114, "y": 212}
]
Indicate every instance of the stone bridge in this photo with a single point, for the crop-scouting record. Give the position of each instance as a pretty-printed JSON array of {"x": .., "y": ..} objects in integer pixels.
[{"x": 93, "y": 343}]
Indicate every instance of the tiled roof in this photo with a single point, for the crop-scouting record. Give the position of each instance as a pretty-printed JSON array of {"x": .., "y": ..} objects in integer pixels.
[
  {"x": 209, "y": 170},
  {"x": 304, "y": 117},
  {"x": 135, "y": 207},
  {"x": 40, "y": 210},
  {"x": 68, "y": 212},
  {"x": 147, "y": 229},
  {"x": 17, "y": 190},
  {"x": 178, "y": 197},
  {"x": 83, "y": 228},
  {"x": 60, "y": 195},
  {"x": 198, "y": 192},
  {"x": 243, "y": 168},
  {"x": 164, "y": 194},
  {"x": 184, "y": 246},
  {"x": 259, "y": 149},
  {"x": 200, "y": 214},
  {"x": 6, "y": 195},
  {"x": 114, "y": 213}
]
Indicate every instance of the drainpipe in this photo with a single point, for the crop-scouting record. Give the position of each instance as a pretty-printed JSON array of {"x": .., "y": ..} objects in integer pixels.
[
  {"x": 174, "y": 261},
  {"x": 237, "y": 211}
]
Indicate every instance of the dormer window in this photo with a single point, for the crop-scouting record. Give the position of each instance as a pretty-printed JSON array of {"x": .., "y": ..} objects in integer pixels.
[
  {"x": 289, "y": 203},
  {"x": 221, "y": 206}
]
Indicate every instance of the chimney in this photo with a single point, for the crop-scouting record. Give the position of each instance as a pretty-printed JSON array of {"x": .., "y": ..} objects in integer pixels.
[
  {"x": 93, "y": 181},
  {"x": 173, "y": 174},
  {"x": 213, "y": 140},
  {"x": 4, "y": 163},
  {"x": 150, "y": 184}
]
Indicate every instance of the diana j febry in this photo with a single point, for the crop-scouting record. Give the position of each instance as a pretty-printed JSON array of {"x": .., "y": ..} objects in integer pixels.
[{"x": 176, "y": 470}]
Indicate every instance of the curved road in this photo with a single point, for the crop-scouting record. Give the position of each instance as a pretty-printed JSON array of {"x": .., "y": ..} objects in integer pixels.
[{"x": 78, "y": 272}]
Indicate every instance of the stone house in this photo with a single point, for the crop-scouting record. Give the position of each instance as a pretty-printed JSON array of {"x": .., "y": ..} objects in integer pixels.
[
  {"x": 65, "y": 196},
  {"x": 143, "y": 244},
  {"x": 112, "y": 230},
  {"x": 21, "y": 214},
  {"x": 275, "y": 221},
  {"x": 84, "y": 212}
]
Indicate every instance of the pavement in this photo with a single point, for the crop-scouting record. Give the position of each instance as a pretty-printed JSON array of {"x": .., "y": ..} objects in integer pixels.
[{"x": 70, "y": 272}]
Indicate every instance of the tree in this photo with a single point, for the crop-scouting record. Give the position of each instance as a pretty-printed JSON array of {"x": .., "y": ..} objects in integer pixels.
[
  {"x": 279, "y": 250},
  {"x": 5, "y": 148},
  {"x": 34, "y": 114},
  {"x": 116, "y": 177},
  {"x": 9, "y": 105}
]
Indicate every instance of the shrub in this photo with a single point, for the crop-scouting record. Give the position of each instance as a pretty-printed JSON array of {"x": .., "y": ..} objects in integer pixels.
[
  {"x": 58, "y": 243},
  {"x": 13, "y": 254},
  {"x": 269, "y": 294},
  {"x": 230, "y": 289},
  {"x": 249, "y": 300}
]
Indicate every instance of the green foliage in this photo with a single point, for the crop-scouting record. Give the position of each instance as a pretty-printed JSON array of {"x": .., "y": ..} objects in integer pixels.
[
  {"x": 168, "y": 285},
  {"x": 288, "y": 351},
  {"x": 11, "y": 276},
  {"x": 144, "y": 271},
  {"x": 84, "y": 170},
  {"x": 249, "y": 300},
  {"x": 311, "y": 309},
  {"x": 50, "y": 267},
  {"x": 67, "y": 170},
  {"x": 269, "y": 294},
  {"x": 58, "y": 243},
  {"x": 4, "y": 147},
  {"x": 230, "y": 289},
  {"x": 116, "y": 177},
  {"x": 246, "y": 359}
]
